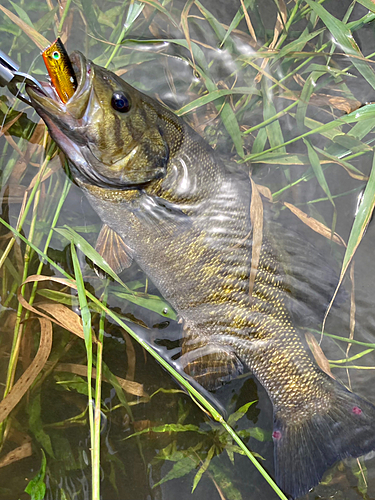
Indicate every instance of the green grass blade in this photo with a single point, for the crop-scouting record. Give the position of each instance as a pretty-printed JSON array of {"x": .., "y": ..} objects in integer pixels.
[
  {"x": 361, "y": 220},
  {"x": 89, "y": 251},
  {"x": 345, "y": 40},
  {"x": 236, "y": 20},
  {"x": 192, "y": 391}
]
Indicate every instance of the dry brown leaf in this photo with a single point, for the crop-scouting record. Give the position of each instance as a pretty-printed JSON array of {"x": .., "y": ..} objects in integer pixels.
[
  {"x": 265, "y": 191},
  {"x": 130, "y": 353},
  {"x": 12, "y": 142},
  {"x": 319, "y": 355},
  {"x": 256, "y": 216},
  {"x": 248, "y": 22},
  {"x": 343, "y": 104},
  {"x": 17, "y": 454},
  {"x": 352, "y": 317},
  {"x": 280, "y": 23},
  {"x": 298, "y": 79},
  {"x": 185, "y": 26},
  {"x": 53, "y": 166},
  {"x": 315, "y": 225},
  {"x": 39, "y": 277},
  {"x": 39, "y": 40},
  {"x": 5, "y": 127},
  {"x": 65, "y": 317},
  {"x": 24, "y": 383},
  {"x": 128, "y": 385},
  {"x": 14, "y": 193},
  {"x": 279, "y": 26}
]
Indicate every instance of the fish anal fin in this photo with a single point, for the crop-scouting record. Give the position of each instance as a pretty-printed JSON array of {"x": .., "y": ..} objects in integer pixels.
[
  {"x": 211, "y": 365},
  {"x": 113, "y": 249}
]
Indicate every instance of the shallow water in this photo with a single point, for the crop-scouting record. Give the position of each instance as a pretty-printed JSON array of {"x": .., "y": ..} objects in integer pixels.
[{"x": 131, "y": 467}]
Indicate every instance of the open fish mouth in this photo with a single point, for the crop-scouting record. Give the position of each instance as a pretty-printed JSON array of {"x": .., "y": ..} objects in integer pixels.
[
  {"x": 67, "y": 122},
  {"x": 48, "y": 101}
]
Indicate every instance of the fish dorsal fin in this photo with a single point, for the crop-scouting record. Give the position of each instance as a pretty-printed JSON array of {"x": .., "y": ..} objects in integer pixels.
[
  {"x": 113, "y": 249},
  {"x": 211, "y": 364}
]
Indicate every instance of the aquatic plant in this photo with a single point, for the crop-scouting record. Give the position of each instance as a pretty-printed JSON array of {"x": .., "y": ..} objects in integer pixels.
[{"x": 284, "y": 101}]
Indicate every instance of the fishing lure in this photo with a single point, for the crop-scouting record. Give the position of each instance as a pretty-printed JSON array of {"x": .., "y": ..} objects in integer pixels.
[{"x": 60, "y": 70}]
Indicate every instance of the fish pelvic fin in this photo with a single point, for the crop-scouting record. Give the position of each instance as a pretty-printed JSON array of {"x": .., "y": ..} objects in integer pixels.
[{"x": 303, "y": 451}]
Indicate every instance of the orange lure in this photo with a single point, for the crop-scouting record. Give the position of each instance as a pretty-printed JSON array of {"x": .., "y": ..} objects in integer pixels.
[{"x": 60, "y": 70}]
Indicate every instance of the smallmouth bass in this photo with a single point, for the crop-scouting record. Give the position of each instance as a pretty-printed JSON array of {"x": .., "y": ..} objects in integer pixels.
[{"x": 185, "y": 218}]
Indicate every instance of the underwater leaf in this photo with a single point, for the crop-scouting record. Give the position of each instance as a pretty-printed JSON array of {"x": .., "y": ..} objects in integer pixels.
[
  {"x": 69, "y": 319},
  {"x": 73, "y": 383},
  {"x": 85, "y": 311},
  {"x": 22, "y": 14},
  {"x": 65, "y": 316},
  {"x": 90, "y": 15},
  {"x": 256, "y": 216},
  {"x": 36, "y": 425},
  {"x": 185, "y": 25},
  {"x": 168, "y": 428},
  {"x": 361, "y": 220},
  {"x": 39, "y": 40},
  {"x": 160, "y": 8},
  {"x": 318, "y": 353},
  {"x": 60, "y": 297},
  {"x": 297, "y": 45},
  {"x": 231, "y": 124},
  {"x": 315, "y": 163},
  {"x": 315, "y": 225},
  {"x": 306, "y": 93},
  {"x": 352, "y": 171},
  {"x": 361, "y": 472},
  {"x": 284, "y": 159},
  {"x": 180, "y": 469},
  {"x": 274, "y": 132},
  {"x": 127, "y": 385},
  {"x": 255, "y": 432},
  {"x": 24, "y": 383},
  {"x": 221, "y": 476},
  {"x": 203, "y": 467},
  {"x": 212, "y": 96},
  {"x": 239, "y": 413},
  {"x": 151, "y": 302},
  {"x": 37, "y": 487},
  {"x": 23, "y": 451},
  {"x": 198, "y": 53}
]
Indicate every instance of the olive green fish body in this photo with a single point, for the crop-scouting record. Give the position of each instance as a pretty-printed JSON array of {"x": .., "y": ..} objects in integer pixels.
[{"x": 185, "y": 217}]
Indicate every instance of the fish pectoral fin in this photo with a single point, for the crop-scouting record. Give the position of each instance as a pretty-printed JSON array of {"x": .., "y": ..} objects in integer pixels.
[
  {"x": 211, "y": 365},
  {"x": 113, "y": 249}
]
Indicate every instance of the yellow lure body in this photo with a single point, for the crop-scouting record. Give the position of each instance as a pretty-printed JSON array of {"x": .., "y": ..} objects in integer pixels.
[{"x": 60, "y": 70}]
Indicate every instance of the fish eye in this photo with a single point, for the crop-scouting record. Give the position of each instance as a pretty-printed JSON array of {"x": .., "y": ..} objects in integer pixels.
[
  {"x": 56, "y": 55},
  {"x": 120, "y": 102}
]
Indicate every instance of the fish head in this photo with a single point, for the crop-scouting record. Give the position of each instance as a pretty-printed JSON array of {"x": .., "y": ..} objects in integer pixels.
[{"x": 115, "y": 136}]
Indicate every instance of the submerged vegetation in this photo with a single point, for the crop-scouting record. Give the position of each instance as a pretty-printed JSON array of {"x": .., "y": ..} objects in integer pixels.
[{"x": 280, "y": 88}]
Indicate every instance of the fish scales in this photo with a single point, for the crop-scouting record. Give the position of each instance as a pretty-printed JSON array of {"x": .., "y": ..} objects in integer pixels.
[{"x": 184, "y": 215}]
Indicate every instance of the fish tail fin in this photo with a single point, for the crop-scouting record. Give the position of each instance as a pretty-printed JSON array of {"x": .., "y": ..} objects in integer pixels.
[{"x": 306, "y": 447}]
